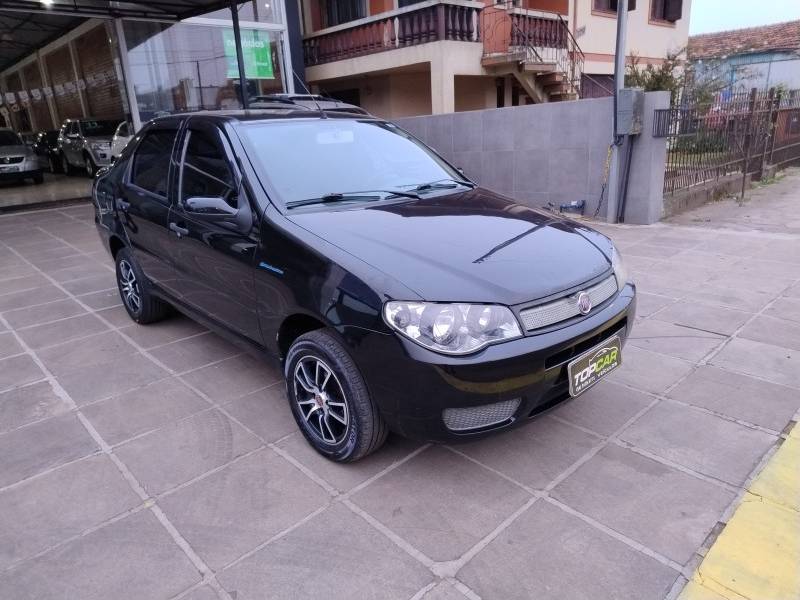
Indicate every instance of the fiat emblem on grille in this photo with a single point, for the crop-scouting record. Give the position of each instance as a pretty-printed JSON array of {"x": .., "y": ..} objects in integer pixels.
[{"x": 584, "y": 303}]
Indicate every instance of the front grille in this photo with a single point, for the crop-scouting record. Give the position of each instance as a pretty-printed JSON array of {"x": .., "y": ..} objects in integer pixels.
[
  {"x": 479, "y": 417},
  {"x": 11, "y": 160},
  {"x": 566, "y": 308}
]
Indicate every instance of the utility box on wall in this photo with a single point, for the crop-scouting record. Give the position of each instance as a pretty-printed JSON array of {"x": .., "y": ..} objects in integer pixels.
[{"x": 630, "y": 111}]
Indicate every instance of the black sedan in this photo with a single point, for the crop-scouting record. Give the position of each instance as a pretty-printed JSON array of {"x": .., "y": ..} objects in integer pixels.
[
  {"x": 397, "y": 294},
  {"x": 46, "y": 147}
]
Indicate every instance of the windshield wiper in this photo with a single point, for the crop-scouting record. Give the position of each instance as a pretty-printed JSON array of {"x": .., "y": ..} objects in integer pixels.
[
  {"x": 442, "y": 184},
  {"x": 367, "y": 196}
]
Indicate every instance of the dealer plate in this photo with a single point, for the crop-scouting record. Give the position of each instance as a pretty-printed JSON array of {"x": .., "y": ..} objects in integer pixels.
[{"x": 591, "y": 366}]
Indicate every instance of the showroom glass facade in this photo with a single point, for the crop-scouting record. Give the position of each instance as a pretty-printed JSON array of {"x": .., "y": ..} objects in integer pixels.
[{"x": 191, "y": 65}]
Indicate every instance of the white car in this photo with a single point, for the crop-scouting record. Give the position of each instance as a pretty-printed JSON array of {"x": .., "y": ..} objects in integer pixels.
[{"x": 121, "y": 138}]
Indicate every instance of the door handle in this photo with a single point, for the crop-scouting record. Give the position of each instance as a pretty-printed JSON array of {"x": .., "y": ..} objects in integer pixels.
[
  {"x": 178, "y": 230},
  {"x": 122, "y": 205}
]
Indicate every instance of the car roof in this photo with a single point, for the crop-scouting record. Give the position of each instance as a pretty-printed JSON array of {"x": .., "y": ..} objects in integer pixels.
[{"x": 266, "y": 114}]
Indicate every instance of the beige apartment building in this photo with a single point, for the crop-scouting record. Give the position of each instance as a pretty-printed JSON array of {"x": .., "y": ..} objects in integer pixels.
[{"x": 401, "y": 58}]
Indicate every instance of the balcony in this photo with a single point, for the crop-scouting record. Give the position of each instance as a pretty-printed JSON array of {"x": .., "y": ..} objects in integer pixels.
[{"x": 429, "y": 21}]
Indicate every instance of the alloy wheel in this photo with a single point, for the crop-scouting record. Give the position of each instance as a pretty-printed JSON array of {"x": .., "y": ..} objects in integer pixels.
[
  {"x": 129, "y": 286},
  {"x": 89, "y": 167},
  {"x": 321, "y": 400}
]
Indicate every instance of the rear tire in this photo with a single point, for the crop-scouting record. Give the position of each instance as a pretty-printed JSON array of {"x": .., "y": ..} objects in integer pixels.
[
  {"x": 66, "y": 168},
  {"x": 329, "y": 399},
  {"x": 134, "y": 289},
  {"x": 89, "y": 166}
]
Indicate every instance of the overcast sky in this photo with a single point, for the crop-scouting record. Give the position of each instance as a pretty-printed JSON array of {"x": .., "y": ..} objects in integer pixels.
[{"x": 719, "y": 15}]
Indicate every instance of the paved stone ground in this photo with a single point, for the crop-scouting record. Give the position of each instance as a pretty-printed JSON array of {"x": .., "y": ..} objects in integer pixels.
[
  {"x": 157, "y": 462},
  {"x": 55, "y": 188}
]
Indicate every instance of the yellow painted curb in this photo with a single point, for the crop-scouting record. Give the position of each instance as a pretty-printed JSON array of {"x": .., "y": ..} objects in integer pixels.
[{"x": 757, "y": 555}]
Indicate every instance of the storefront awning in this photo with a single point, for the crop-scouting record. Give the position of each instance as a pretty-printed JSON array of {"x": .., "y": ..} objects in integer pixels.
[{"x": 26, "y": 25}]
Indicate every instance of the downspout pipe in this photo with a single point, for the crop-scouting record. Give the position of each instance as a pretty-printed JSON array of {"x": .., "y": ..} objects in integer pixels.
[{"x": 237, "y": 36}]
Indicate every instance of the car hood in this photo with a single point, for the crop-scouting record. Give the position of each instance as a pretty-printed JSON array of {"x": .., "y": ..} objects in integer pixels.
[
  {"x": 18, "y": 150},
  {"x": 475, "y": 246}
]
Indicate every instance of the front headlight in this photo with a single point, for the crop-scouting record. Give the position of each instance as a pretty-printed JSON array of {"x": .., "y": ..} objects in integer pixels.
[
  {"x": 620, "y": 272},
  {"x": 452, "y": 328}
]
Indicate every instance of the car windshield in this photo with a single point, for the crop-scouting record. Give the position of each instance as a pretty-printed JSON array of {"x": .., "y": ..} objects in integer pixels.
[
  {"x": 304, "y": 160},
  {"x": 96, "y": 128},
  {"x": 9, "y": 138}
]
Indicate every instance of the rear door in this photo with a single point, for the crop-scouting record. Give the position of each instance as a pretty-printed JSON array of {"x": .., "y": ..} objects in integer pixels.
[
  {"x": 144, "y": 202},
  {"x": 213, "y": 250}
]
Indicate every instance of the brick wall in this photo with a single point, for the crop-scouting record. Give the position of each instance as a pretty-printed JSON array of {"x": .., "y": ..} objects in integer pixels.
[
  {"x": 59, "y": 70},
  {"x": 96, "y": 68},
  {"x": 38, "y": 108}
]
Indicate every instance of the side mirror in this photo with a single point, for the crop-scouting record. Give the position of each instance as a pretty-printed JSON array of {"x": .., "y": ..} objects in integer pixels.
[{"x": 210, "y": 207}]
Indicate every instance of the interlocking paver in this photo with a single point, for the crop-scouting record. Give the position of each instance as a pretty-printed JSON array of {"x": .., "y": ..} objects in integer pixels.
[
  {"x": 18, "y": 370},
  {"x": 30, "y": 450},
  {"x": 533, "y": 454},
  {"x": 650, "y": 371},
  {"x": 739, "y": 396},
  {"x": 673, "y": 340},
  {"x": 549, "y": 554},
  {"x": 184, "y": 450},
  {"x": 705, "y": 443},
  {"x": 604, "y": 408},
  {"x": 656, "y": 505},
  {"x": 776, "y": 364},
  {"x": 195, "y": 352},
  {"x": 242, "y": 505},
  {"x": 345, "y": 477},
  {"x": 59, "y": 332},
  {"x": 50, "y": 509},
  {"x": 22, "y": 405},
  {"x": 131, "y": 559},
  {"x": 717, "y": 319},
  {"x": 265, "y": 412},
  {"x": 44, "y": 313},
  {"x": 334, "y": 555},
  {"x": 143, "y": 409},
  {"x": 778, "y": 332},
  {"x": 440, "y": 502}
]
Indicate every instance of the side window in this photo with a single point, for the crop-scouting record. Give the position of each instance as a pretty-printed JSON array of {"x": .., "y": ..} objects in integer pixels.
[
  {"x": 206, "y": 173},
  {"x": 123, "y": 130},
  {"x": 150, "y": 169}
]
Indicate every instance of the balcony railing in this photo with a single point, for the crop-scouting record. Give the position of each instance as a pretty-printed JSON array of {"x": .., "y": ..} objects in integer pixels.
[{"x": 429, "y": 21}]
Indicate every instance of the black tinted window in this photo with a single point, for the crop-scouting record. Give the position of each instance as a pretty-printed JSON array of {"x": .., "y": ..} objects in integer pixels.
[
  {"x": 205, "y": 171},
  {"x": 9, "y": 138},
  {"x": 151, "y": 162}
]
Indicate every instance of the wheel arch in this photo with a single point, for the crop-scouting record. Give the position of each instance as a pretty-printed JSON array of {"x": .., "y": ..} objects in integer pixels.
[{"x": 293, "y": 327}]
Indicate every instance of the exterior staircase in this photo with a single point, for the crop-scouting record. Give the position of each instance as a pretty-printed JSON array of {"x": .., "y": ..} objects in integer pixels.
[{"x": 539, "y": 51}]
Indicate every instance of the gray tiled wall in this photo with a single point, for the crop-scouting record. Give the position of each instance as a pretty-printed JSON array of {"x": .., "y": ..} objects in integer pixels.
[{"x": 549, "y": 152}]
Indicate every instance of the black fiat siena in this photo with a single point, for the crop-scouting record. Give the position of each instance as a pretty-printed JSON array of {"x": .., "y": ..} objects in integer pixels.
[{"x": 397, "y": 294}]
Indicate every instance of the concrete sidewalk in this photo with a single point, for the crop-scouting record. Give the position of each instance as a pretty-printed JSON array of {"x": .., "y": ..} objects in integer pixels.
[{"x": 158, "y": 462}]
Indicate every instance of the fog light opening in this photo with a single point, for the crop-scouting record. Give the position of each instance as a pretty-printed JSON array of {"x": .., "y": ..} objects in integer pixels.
[{"x": 464, "y": 420}]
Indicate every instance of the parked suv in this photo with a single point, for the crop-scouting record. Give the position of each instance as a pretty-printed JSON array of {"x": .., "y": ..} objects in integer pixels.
[
  {"x": 18, "y": 161},
  {"x": 85, "y": 144},
  {"x": 397, "y": 294}
]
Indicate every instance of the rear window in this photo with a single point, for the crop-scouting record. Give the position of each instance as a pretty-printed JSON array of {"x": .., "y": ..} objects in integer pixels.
[
  {"x": 97, "y": 128},
  {"x": 150, "y": 169},
  {"x": 9, "y": 138}
]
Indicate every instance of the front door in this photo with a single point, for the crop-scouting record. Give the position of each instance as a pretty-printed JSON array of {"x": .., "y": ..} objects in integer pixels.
[
  {"x": 213, "y": 252},
  {"x": 144, "y": 203}
]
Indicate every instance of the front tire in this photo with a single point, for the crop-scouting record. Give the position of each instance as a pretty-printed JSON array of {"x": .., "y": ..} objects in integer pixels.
[
  {"x": 134, "y": 289},
  {"x": 329, "y": 399},
  {"x": 66, "y": 168}
]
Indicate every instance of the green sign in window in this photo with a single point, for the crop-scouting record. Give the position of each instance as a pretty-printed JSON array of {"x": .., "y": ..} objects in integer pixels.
[{"x": 256, "y": 53}]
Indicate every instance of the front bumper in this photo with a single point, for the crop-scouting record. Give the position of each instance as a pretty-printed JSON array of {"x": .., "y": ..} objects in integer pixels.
[
  {"x": 101, "y": 157},
  {"x": 413, "y": 386},
  {"x": 21, "y": 170}
]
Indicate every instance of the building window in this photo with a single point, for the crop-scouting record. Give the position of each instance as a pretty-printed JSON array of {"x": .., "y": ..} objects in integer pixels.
[
  {"x": 343, "y": 11},
  {"x": 666, "y": 10},
  {"x": 605, "y": 5}
]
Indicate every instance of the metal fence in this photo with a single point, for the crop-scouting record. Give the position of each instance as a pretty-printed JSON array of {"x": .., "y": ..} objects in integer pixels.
[{"x": 740, "y": 134}]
